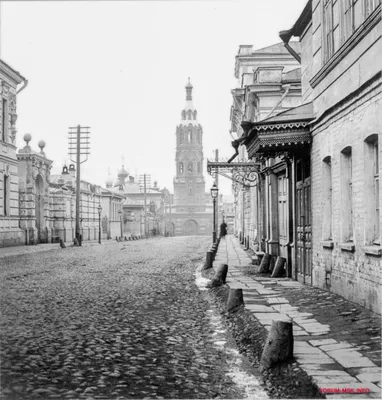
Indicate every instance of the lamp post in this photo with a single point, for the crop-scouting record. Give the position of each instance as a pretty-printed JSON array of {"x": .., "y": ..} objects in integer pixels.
[
  {"x": 214, "y": 195},
  {"x": 99, "y": 223},
  {"x": 120, "y": 218}
]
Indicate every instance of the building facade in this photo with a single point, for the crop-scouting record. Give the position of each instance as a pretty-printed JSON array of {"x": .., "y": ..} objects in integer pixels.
[
  {"x": 330, "y": 145},
  {"x": 191, "y": 211},
  {"x": 10, "y": 232},
  {"x": 268, "y": 82}
]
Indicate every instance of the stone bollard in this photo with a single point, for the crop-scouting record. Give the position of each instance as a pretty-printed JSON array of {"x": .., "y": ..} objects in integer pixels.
[
  {"x": 208, "y": 263},
  {"x": 235, "y": 300},
  {"x": 279, "y": 344},
  {"x": 215, "y": 282},
  {"x": 62, "y": 244},
  {"x": 278, "y": 270},
  {"x": 264, "y": 265},
  {"x": 75, "y": 242},
  {"x": 221, "y": 272}
]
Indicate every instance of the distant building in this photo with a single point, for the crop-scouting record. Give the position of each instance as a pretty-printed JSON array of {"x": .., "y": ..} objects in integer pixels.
[
  {"x": 192, "y": 210},
  {"x": 133, "y": 218},
  {"x": 10, "y": 232},
  {"x": 227, "y": 211}
]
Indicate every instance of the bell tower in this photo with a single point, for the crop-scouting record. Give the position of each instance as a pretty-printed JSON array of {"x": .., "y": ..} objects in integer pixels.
[{"x": 189, "y": 184}]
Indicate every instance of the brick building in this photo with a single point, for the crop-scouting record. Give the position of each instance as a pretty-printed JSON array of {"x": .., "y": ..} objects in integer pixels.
[{"x": 331, "y": 146}]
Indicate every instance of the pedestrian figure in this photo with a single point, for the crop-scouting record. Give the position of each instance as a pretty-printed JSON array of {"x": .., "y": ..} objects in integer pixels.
[{"x": 223, "y": 229}]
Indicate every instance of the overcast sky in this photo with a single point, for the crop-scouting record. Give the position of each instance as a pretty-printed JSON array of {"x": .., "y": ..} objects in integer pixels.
[{"x": 120, "y": 67}]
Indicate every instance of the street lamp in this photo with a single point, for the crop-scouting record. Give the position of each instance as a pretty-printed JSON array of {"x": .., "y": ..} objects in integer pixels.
[
  {"x": 120, "y": 218},
  {"x": 214, "y": 195},
  {"x": 99, "y": 223}
]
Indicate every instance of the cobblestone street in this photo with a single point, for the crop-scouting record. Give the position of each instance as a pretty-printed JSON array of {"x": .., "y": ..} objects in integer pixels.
[{"x": 120, "y": 320}]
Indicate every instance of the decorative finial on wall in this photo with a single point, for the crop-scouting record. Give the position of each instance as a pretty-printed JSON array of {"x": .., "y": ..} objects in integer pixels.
[
  {"x": 27, "y": 138},
  {"x": 41, "y": 144}
]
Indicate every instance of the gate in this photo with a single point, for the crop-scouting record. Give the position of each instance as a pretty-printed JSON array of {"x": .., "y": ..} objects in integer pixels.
[
  {"x": 283, "y": 215},
  {"x": 303, "y": 222}
]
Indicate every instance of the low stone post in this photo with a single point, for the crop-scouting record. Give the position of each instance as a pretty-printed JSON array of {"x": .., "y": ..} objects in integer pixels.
[
  {"x": 235, "y": 300},
  {"x": 279, "y": 268},
  {"x": 62, "y": 244},
  {"x": 221, "y": 272},
  {"x": 279, "y": 344},
  {"x": 208, "y": 263},
  {"x": 264, "y": 265},
  {"x": 75, "y": 242}
]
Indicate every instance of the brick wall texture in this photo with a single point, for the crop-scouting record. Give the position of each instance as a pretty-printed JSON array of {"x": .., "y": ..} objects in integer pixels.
[{"x": 354, "y": 275}]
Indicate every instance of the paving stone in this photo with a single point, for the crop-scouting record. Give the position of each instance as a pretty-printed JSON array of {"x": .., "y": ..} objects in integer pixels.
[
  {"x": 258, "y": 308},
  {"x": 278, "y": 300},
  {"x": 321, "y": 342},
  {"x": 322, "y": 380},
  {"x": 369, "y": 377},
  {"x": 317, "y": 372},
  {"x": 350, "y": 359},
  {"x": 336, "y": 346}
]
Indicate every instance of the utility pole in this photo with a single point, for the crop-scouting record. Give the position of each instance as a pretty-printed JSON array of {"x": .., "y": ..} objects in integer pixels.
[
  {"x": 217, "y": 185},
  {"x": 79, "y": 146},
  {"x": 145, "y": 202}
]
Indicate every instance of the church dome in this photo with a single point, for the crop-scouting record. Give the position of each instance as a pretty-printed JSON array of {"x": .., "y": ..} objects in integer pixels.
[{"x": 123, "y": 173}]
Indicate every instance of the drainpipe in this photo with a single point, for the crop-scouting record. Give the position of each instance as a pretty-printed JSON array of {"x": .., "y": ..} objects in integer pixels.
[
  {"x": 23, "y": 87},
  {"x": 286, "y": 91},
  {"x": 285, "y": 37}
]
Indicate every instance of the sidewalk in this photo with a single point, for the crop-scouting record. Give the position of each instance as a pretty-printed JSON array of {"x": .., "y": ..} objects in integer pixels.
[{"x": 336, "y": 342}]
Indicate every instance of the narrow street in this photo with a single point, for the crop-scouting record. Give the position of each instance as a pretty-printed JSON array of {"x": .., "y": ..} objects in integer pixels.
[{"x": 120, "y": 320}]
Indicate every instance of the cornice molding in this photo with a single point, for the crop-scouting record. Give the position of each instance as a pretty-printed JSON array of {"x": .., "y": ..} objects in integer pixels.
[{"x": 10, "y": 73}]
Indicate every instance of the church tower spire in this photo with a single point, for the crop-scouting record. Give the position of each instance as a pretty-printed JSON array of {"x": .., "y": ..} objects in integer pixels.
[{"x": 189, "y": 182}]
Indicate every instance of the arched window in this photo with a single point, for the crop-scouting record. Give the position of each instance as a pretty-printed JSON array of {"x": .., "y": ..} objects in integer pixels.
[
  {"x": 189, "y": 114},
  {"x": 181, "y": 168},
  {"x": 346, "y": 169},
  {"x": 371, "y": 189},
  {"x": 195, "y": 114},
  {"x": 183, "y": 115},
  {"x": 190, "y": 167},
  {"x": 190, "y": 190}
]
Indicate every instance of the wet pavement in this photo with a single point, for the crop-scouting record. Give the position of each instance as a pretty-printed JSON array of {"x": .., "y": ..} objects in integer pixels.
[
  {"x": 337, "y": 342},
  {"x": 116, "y": 321}
]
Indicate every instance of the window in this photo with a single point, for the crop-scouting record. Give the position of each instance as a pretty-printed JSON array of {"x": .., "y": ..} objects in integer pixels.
[
  {"x": 190, "y": 190},
  {"x": 327, "y": 198},
  {"x": 347, "y": 194},
  {"x": 4, "y": 120},
  {"x": 5, "y": 195},
  {"x": 371, "y": 192},
  {"x": 331, "y": 28},
  {"x": 199, "y": 168},
  {"x": 181, "y": 137},
  {"x": 340, "y": 19},
  {"x": 190, "y": 167},
  {"x": 181, "y": 168}
]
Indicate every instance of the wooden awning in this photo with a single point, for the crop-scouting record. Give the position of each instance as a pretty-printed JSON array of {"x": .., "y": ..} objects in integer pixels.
[{"x": 288, "y": 131}]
